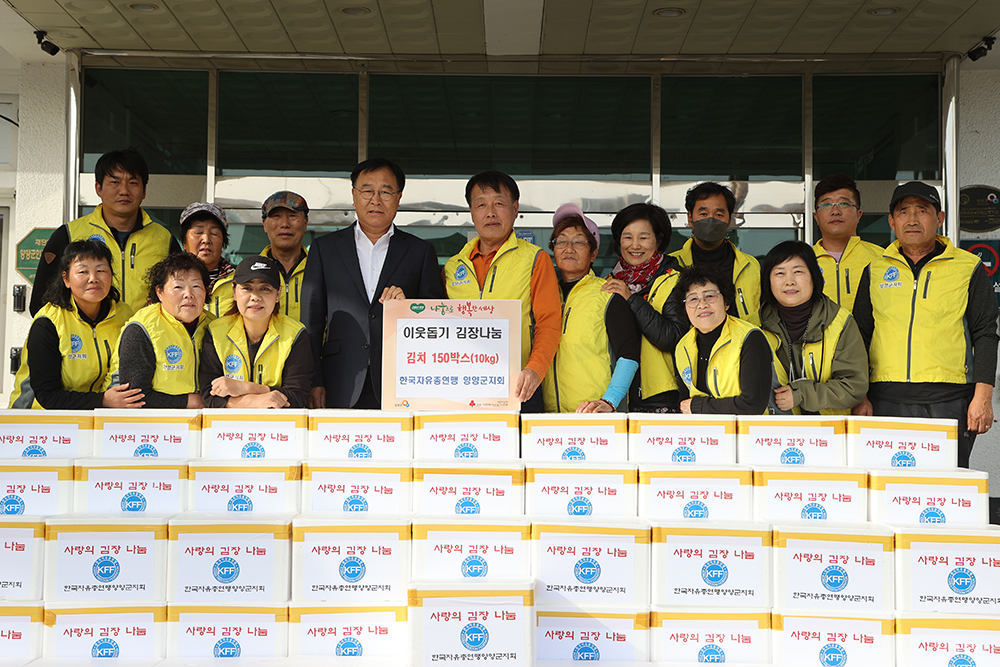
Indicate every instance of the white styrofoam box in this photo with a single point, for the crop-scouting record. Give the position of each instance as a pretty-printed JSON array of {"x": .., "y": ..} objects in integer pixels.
[
  {"x": 901, "y": 442},
  {"x": 371, "y": 631},
  {"x": 22, "y": 539},
  {"x": 360, "y": 434},
  {"x": 832, "y": 638},
  {"x": 36, "y": 486},
  {"x": 833, "y": 566},
  {"x": 484, "y": 549},
  {"x": 580, "y": 489},
  {"x": 21, "y": 629},
  {"x": 254, "y": 434},
  {"x": 948, "y": 569},
  {"x": 244, "y": 485},
  {"x": 592, "y": 633},
  {"x": 487, "y": 436},
  {"x": 575, "y": 437},
  {"x": 711, "y": 564},
  {"x": 222, "y": 555},
  {"x": 39, "y": 433},
  {"x": 227, "y": 629},
  {"x": 350, "y": 559},
  {"x": 455, "y": 622},
  {"x": 706, "y": 634},
  {"x": 155, "y": 433},
  {"x": 359, "y": 485},
  {"x": 667, "y": 439},
  {"x": 903, "y": 496},
  {"x": 590, "y": 561},
  {"x": 789, "y": 493},
  {"x": 90, "y": 557},
  {"x": 947, "y": 640},
  {"x": 718, "y": 493},
  {"x": 771, "y": 440},
  {"x": 130, "y": 485},
  {"x": 466, "y": 487},
  {"x": 122, "y": 630},
  {"x": 235, "y": 662}
]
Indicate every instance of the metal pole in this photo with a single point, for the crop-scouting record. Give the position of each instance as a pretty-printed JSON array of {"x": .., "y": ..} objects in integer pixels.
[
  {"x": 654, "y": 136},
  {"x": 213, "y": 134},
  {"x": 71, "y": 199},
  {"x": 363, "y": 114},
  {"x": 807, "y": 156},
  {"x": 949, "y": 143}
]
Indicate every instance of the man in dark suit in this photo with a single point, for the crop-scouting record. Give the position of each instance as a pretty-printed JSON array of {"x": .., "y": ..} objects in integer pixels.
[{"x": 350, "y": 273}]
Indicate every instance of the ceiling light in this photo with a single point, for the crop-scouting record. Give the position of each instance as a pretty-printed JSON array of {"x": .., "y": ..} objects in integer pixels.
[
  {"x": 142, "y": 6},
  {"x": 668, "y": 12},
  {"x": 883, "y": 11},
  {"x": 355, "y": 11}
]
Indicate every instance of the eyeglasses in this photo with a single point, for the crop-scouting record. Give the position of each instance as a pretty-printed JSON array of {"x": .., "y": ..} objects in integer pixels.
[
  {"x": 842, "y": 205},
  {"x": 709, "y": 297},
  {"x": 578, "y": 244},
  {"x": 384, "y": 195}
]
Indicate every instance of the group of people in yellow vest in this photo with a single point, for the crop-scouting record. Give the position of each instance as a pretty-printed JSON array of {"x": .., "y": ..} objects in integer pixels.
[{"x": 124, "y": 320}]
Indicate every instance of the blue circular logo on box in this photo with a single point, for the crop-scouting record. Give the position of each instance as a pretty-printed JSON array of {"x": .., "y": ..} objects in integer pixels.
[
  {"x": 75, "y": 343},
  {"x": 474, "y": 566},
  {"x": 466, "y": 450},
  {"x": 714, "y": 573},
  {"x": 961, "y": 580},
  {"x": 933, "y": 515},
  {"x": 461, "y": 272},
  {"x": 227, "y": 647},
  {"x": 33, "y": 452},
  {"x": 574, "y": 453},
  {"x": 233, "y": 363},
  {"x": 359, "y": 451},
  {"x": 683, "y": 455},
  {"x": 467, "y": 505},
  {"x": 711, "y": 653},
  {"x": 587, "y": 570},
  {"x": 133, "y": 501},
  {"x": 145, "y": 451},
  {"x": 173, "y": 353},
  {"x": 355, "y": 503},
  {"x": 696, "y": 510},
  {"x": 961, "y": 660},
  {"x": 106, "y": 569},
  {"x": 352, "y": 569},
  {"x": 252, "y": 450},
  {"x": 579, "y": 506},
  {"x": 814, "y": 511},
  {"x": 240, "y": 503},
  {"x": 793, "y": 456},
  {"x": 226, "y": 570},
  {"x": 892, "y": 273},
  {"x": 12, "y": 504},
  {"x": 349, "y": 646},
  {"x": 832, "y": 655},
  {"x": 903, "y": 460},
  {"x": 104, "y": 648},
  {"x": 834, "y": 578},
  {"x": 475, "y": 637},
  {"x": 586, "y": 651}
]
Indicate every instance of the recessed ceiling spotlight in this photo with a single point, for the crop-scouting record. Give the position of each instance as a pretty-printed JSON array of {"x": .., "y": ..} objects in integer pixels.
[
  {"x": 668, "y": 12},
  {"x": 355, "y": 11},
  {"x": 142, "y": 7},
  {"x": 883, "y": 11}
]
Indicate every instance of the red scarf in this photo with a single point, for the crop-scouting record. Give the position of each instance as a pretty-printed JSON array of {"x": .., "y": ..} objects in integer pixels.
[{"x": 637, "y": 277}]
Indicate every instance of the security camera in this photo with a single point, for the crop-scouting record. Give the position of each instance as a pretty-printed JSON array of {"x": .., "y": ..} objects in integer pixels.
[
  {"x": 45, "y": 44},
  {"x": 981, "y": 50}
]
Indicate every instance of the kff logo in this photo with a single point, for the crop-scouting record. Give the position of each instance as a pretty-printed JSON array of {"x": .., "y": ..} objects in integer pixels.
[
  {"x": 961, "y": 580},
  {"x": 832, "y": 655},
  {"x": 579, "y": 506},
  {"x": 240, "y": 503},
  {"x": 173, "y": 353},
  {"x": 903, "y": 460},
  {"x": 466, "y": 450},
  {"x": 574, "y": 454},
  {"x": 892, "y": 273},
  {"x": 75, "y": 343},
  {"x": 474, "y": 566},
  {"x": 814, "y": 511},
  {"x": 474, "y": 636},
  {"x": 226, "y": 570},
  {"x": 933, "y": 515},
  {"x": 104, "y": 648},
  {"x": 106, "y": 569},
  {"x": 33, "y": 452},
  {"x": 355, "y": 503},
  {"x": 683, "y": 455},
  {"x": 961, "y": 660},
  {"x": 233, "y": 363},
  {"x": 793, "y": 456},
  {"x": 349, "y": 646},
  {"x": 587, "y": 570},
  {"x": 253, "y": 450},
  {"x": 711, "y": 653},
  {"x": 586, "y": 651},
  {"x": 227, "y": 647},
  {"x": 467, "y": 505},
  {"x": 12, "y": 504},
  {"x": 359, "y": 451},
  {"x": 834, "y": 578},
  {"x": 714, "y": 573},
  {"x": 696, "y": 510},
  {"x": 133, "y": 501},
  {"x": 352, "y": 569},
  {"x": 145, "y": 452}
]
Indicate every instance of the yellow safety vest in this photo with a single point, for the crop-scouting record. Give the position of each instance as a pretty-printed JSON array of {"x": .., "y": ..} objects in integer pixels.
[
  {"x": 177, "y": 354},
  {"x": 291, "y": 289},
  {"x": 146, "y": 246},
  {"x": 723, "y": 362},
  {"x": 230, "y": 340},
  {"x": 221, "y": 299},
  {"x": 746, "y": 277},
  {"x": 920, "y": 329},
  {"x": 656, "y": 367},
  {"x": 509, "y": 277},
  {"x": 840, "y": 279},
  {"x": 581, "y": 370},
  {"x": 85, "y": 351}
]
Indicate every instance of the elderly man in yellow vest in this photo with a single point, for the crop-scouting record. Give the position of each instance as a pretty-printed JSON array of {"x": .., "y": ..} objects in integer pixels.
[
  {"x": 498, "y": 265},
  {"x": 927, "y": 313}
]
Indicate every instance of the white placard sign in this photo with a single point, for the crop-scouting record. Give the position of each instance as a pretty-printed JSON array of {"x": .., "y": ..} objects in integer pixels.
[
  {"x": 469, "y": 491},
  {"x": 231, "y": 566},
  {"x": 145, "y": 440},
  {"x": 34, "y": 492},
  {"x": 832, "y": 574},
  {"x": 724, "y": 637},
  {"x": 582, "y": 492},
  {"x": 133, "y": 489},
  {"x": 958, "y": 577},
  {"x": 360, "y": 440},
  {"x": 572, "y": 437},
  {"x": 676, "y": 440},
  {"x": 228, "y": 634},
  {"x": 711, "y": 570},
  {"x": 907, "y": 503},
  {"x": 467, "y": 554},
  {"x": 33, "y": 440},
  {"x": 457, "y": 630},
  {"x": 572, "y": 636},
  {"x": 953, "y": 641},
  {"x": 884, "y": 442},
  {"x": 367, "y": 631},
  {"x": 247, "y": 491},
  {"x": 108, "y": 565},
  {"x": 106, "y": 633},
  {"x": 832, "y": 640},
  {"x": 350, "y": 488},
  {"x": 271, "y": 439},
  {"x": 483, "y": 437},
  {"x": 16, "y": 633},
  {"x": 671, "y": 493},
  {"x": 352, "y": 567},
  {"x": 586, "y": 568},
  {"x": 21, "y": 555},
  {"x": 777, "y": 444}
]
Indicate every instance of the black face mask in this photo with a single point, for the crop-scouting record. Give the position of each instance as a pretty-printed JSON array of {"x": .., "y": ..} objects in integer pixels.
[{"x": 710, "y": 230}]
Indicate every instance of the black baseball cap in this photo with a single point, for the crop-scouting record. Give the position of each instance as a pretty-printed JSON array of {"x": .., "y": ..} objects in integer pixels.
[
  {"x": 915, "y": 189},
  {"x": 258, "y": 267}
]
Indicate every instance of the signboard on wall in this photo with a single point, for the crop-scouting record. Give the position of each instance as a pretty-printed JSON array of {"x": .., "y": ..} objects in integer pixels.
[
  {"x": 979, "y": 209},
  {"x": 988, "y": 251},
  {"x": 29, "y": 251},
  {"x": 450, "y": 354}
]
